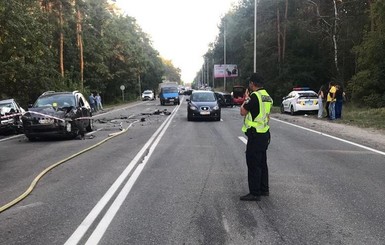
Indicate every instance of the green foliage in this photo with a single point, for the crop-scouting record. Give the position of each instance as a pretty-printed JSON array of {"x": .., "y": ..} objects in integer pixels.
[
  {"x": 115, "y": 50},
  {"x": 309, "y": 57},
  {"x": 368, "y": 85}
]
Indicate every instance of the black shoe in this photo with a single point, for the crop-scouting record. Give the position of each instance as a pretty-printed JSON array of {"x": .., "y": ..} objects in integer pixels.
[
  {"x": 265, "y": 193},
  {"x": 250, "y": 197}
]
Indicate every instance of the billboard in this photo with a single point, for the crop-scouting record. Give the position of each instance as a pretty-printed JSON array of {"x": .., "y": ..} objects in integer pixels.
[{"x": 228, "y": 70}]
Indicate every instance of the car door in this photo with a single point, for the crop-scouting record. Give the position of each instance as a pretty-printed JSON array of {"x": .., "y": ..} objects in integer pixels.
[{"x": 86, "y": 111}]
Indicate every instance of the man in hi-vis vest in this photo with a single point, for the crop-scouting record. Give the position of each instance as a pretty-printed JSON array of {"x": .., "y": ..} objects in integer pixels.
[{"x": 256, "y": 110}]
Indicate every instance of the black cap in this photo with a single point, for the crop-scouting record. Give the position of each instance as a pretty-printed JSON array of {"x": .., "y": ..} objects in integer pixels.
[{"x": 256, "y": 79}]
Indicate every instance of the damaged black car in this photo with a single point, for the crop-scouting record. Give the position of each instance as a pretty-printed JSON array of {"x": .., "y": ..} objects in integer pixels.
[{"x": 58, "y": 114}]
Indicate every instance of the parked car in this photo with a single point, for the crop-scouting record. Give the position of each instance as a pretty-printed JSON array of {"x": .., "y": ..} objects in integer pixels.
[
  {"x": 148, "y": 95},
  {"x": 10, "y": 116},
  {"x": 238, "y": 94},
  {"x": 58, "y": 114},
  {"x": 224, "y": 99},
  {"x": 300, "y": 100},
  {"x": 203, "y": 104}
]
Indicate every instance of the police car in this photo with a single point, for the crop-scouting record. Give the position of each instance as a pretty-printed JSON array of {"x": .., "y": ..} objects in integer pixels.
[{"x": 300, "y": 100}]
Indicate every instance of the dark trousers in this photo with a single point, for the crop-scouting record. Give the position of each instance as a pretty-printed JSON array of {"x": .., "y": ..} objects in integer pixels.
[
  {"x": 339, "y": 108},
  {"x": 256, "y": 159}
]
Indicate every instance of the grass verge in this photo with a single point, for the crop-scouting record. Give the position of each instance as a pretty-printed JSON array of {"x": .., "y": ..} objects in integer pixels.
[
  {"x": 363, "y": 117},
  {"x": 360, "y": 117}
]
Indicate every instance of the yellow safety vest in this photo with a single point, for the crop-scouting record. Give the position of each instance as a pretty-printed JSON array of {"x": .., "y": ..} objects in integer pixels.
[{"x": 260, "y": 122}]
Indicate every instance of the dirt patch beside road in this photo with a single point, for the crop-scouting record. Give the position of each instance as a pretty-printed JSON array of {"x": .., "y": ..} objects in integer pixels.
[{"x": 373, "y": 138}]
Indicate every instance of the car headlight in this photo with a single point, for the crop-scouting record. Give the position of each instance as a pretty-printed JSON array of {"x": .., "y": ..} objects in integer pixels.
[
  {"x": 193, "y": 108},
  {"x": 216, "y": 107},
  {"x": 177, "y": 97}
]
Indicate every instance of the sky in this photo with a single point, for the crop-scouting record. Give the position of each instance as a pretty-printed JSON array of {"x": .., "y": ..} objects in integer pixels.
[{"x": 180, "y": 30}]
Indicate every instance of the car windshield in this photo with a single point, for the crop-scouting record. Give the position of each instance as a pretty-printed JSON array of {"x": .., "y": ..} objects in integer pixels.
[
  {"x": 59, "y": 100},
  {"x": 203, "y": 97},
  {"x": 147, "y": 92},
  {"x": 8, "y": 105},
  {"x": 307, "y": 95},
  {"x": 170, "y": 90}
]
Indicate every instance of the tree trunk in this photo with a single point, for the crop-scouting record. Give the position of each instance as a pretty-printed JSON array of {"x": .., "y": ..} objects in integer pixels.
[
  {"x": 80, "y": 46},
  {"x": 284, "y": 31},
  {"x": 278, "y": 35},
  {"x": 370, "y": 2},
  {"x": 61, "y": 51},
  {"x": 335, "y": 35}
]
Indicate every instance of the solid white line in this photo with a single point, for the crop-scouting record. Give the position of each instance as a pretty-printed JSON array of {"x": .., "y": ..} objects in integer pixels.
[
  {"x": 87, "y": 222},
  {"x": 98, "y": 233},
  {"x": 330, "y": 136},
  {"x": 243, "y": 139},
  {"x": 12, "y": 137}
]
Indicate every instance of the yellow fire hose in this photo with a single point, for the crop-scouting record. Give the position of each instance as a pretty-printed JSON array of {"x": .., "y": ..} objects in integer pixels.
[{"x": 34, "y": 182}]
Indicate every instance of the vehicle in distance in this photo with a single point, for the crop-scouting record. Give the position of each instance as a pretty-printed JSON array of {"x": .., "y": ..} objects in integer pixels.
[
  {"x": 224, "y": 99},
  {"x": 168, "y": 93},
  {"x": 58, "y": 114},
  {"x": 148, "y": 95},
  {"x": 238, "y": 94},
  {"x": 300, "y": 100},
  {"x": 10, "y": 116},
  {"x": 203, "y": 105}
]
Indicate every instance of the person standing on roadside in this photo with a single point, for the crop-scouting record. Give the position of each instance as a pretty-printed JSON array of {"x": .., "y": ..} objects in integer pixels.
[
  {"x": 332, "y": 101},
  {"x": 256, "y": 110},
  {"x": 91, "y": 99},
  {"x": 320, "y": 101},
  {"x": 340, "y": 97},
  {"x": 98, "y": 101}
]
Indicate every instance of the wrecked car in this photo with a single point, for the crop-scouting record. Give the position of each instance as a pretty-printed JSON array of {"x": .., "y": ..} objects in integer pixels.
[
  {"x": 58, "y": 114},
  {"x": 10, "y": 116}
]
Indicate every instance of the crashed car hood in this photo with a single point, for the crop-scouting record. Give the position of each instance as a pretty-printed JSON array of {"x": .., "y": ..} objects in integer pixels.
[{"x": 49, "y": 111}]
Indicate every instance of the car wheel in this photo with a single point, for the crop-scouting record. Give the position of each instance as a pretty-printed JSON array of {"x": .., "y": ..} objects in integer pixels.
[
  {"x": 189, "y": 117},
  {"x": 292, "y": 111},
  {"x": 178, "y": 102},
  {"x": 90, "y": 126},
  {"x": 282, "y": 109}
]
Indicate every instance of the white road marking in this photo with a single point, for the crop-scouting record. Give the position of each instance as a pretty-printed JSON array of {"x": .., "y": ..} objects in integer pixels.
[
  {"x": 95, "y": 212},
  {"x": 330, "y": 136},
  {"x": 12, "y": 137},
  {"x": 243, "y": 139},
  {"x": 99, "y": 231}
]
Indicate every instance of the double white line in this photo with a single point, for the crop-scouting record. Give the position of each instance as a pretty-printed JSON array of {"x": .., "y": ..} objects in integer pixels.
[{"x": 102, "y": 226}]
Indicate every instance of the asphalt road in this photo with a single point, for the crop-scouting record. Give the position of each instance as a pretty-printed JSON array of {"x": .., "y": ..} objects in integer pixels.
[{"x": 170, "y": 181}]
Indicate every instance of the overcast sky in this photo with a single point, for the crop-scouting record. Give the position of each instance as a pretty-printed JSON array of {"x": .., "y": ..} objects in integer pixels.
[{"x": 180, "y": 30}]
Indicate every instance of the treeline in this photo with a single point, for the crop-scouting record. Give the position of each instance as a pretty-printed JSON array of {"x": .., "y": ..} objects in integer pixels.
[
  {"x": 307, "y": 43},
  {"x": 85, "y": 45}
]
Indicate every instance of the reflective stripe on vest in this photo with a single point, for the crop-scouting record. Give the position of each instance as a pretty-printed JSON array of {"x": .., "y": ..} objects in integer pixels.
[{"x": 261, "y": 121}]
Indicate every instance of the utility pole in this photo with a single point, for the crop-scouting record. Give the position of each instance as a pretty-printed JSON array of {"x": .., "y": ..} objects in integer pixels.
[
  {"x": 224, "y": 53},
  {"x": 207, "y": 72},
  {"x": 213, "y": 74}
]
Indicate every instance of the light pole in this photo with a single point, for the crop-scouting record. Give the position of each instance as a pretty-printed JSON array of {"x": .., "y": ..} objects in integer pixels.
[
  {"x": 140, "y": 86},
  {"x": 255, "y": 35},
  {"x": 224, "y": 53}
]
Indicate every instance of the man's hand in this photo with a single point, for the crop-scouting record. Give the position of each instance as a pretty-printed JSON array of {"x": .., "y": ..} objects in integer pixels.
[{"x": 247, "y": 94}]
